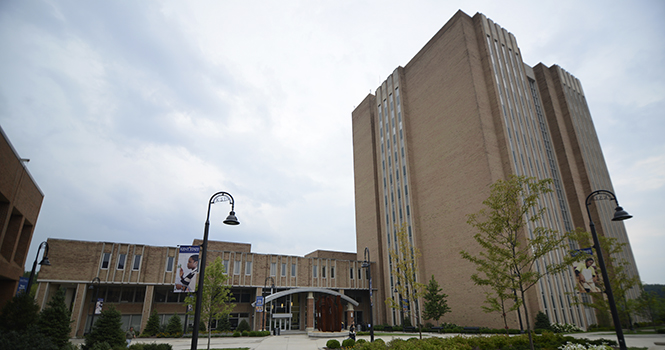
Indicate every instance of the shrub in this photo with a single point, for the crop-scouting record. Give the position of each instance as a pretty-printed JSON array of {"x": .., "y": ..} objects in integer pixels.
[
  {"x": 243, "y": 326},
  {"x": 54, "y": 320},
  {"x": 332, "y": 344},
  {"x": 223, "y": 324},
  {"x": 107, "y": 329},
  {"x": 360, "y": 341},
  {"x": 152, "y": 327},
  {"x": 19, "y": 313},
  {"x": 27, "y": 339},
  {"x": 151, "y": 346},
  {"x": 348, "y": 343},
  {"x": 542, "y": 321},
  {"x": 660, "y": 330},
  {"x": 564, "y": 328},
  {"x": 236, "y": 334},
  {"x": 175, "y": 325},
  {"x": 245, "y": 333}
]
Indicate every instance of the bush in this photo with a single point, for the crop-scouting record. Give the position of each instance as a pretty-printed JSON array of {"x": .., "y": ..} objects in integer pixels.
[
  {"x": 243, "y": 326},
  {"x": 660, "y": 330},
  {"x": 54, "y": 320},
  {"x": 332, "y": 344},
  {"x": 151, "y": 346},
  {"x": 27, "y": 339},
  {"x": 107, "y": 329},
  {"x": 360, "y": 341},
  {"x": 223, "y": 323},
  {"x": 152, "y": 327},
  {"x": 175, "y": 325},
  {"x": 236, "y": 334},
  {"x": 245, "y": 333},
  {"x": 348, "y": 343},
  {"x": 19, "y": 313},
  {"x": 542, "y": 321}
]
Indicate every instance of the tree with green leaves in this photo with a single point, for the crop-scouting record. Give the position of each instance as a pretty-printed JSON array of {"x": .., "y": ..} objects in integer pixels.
[
  {"x": 216, "y": 295},
  {"x": 108, "y": 328},
  {"x": 54, "y": 320},
  {"x": 152, "y": 326},
  {"x": 647, "y": 305},
  {"x": 621, "y": 280},
  {"x": 19, "y": 313},
  {"x": 435, "y": 305},
  {"x": 404, "y": 258},
  {"x": 506, "y": 251}
]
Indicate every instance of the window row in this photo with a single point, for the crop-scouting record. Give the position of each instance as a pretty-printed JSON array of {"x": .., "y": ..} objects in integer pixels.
[
  {"x": 283, "y": 269},
  {"x": 122, "y": 260}
]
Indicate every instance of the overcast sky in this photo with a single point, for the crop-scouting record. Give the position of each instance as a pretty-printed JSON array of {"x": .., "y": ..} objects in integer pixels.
[{"x": 133, "y": 113}]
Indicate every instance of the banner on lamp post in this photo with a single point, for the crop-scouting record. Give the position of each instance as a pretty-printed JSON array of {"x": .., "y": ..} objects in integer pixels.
[
  {"x": 187, "y": 272},
  {"x": 586, "y": 271}
]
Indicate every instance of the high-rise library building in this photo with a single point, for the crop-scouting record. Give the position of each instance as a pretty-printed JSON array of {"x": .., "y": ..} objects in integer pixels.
[{"x": 464, "y": 112}]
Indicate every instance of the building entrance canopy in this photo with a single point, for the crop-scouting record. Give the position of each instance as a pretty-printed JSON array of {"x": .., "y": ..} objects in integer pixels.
[{"x": 306, "y": 290}]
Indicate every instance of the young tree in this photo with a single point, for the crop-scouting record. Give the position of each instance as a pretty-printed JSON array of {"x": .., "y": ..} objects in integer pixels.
[
  {"x": 647, "y": 306},
  {"x": 54, "y": 320},
  {"x": 513, "y": 205},
  {"x": 617, "y": 271},
  {"x": 435, "y": 305},
  {"x": 216, "y": 297},
  {"x": 152, "y": 327},
  {"x": 108, "y": 328},
  {"x": 404, "y": 258}
]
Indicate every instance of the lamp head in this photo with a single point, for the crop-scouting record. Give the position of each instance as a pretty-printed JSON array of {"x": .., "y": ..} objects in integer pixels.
[
  {"x": 45, "y": 261},
  {"x": 365, "y": 265},
  {"x": 620, "y": 214},
  {"x": 232, "y": 219}
]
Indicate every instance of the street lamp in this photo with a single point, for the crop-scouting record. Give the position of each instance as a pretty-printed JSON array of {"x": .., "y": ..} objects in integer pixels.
[
  {"x": 94, "y": 308},
  {"x": 619, "y": 215},
  {"x": 34, "y": 265},
  {"x": 272, "y": 286},
  {"x": 230, "y": 220},
  {"x": 367, "y": 264}
]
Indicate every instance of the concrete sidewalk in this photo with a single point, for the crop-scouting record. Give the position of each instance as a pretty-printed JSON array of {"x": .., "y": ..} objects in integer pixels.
[{"x": 303, "y": 342}]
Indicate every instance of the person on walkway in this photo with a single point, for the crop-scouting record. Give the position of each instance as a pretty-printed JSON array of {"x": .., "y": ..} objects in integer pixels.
[
  {"x": 352, "y": 331},
  {"x": 130, "y": 335}
]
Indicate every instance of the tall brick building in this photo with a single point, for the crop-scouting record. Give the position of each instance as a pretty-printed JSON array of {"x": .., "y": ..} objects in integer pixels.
[
  {"x": 464, "y": 112},
  {"x": 20, "y": 202}
]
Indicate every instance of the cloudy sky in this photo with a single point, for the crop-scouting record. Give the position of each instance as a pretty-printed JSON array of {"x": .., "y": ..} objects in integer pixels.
[{"x": 133, "y": 113}]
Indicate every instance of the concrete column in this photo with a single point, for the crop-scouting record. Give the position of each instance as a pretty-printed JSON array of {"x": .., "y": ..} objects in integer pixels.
[
  {"x": 147, "y": 306},
  {"x": 310, "y": 312},
  {"x": 258, "y": 316}
]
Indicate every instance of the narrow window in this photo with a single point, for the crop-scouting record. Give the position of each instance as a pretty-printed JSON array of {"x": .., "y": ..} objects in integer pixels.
[
  {"x": 323, "y": 271},
  {"x": 351, "y": 272},
  {"x": 169, "y": 264},
  {"x": 283, "y": 269},
  {"x": 248, "y": 267},
  {"x": 226, "y": 266},
  {"x": 105, "y": 260},
  {"x": 273, "y": 268},
  {"x": 332, "y": 272},
  {"x": 121, "y": 261},
  {"x": 137, "y": 262},
  {"x": 315, "y": 271},
  {"x": 236, "y": 267},
  {"x": 293, "y": 270}
]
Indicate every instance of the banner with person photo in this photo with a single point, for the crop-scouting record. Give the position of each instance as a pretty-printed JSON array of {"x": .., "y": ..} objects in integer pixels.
[
  {"x": 587, "y": 274},
  {"x": 187, "y": 272}
]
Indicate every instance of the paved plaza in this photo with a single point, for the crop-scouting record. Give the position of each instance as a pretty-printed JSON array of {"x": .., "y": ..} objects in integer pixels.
[{"x": 301, "y": 341}]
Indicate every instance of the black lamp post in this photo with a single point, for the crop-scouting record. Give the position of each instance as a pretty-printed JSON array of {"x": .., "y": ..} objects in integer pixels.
[
  {"x": 95, "y": 280},
  {"x": 230, "y": 220},
  {"x": 619, "y": 215},
  {"x": 272, "y": 287},
  {"x": 367, "y": 264},
  {"x": 44, "y": 262}
]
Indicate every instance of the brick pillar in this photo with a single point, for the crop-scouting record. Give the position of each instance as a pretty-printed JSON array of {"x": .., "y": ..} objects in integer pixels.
[
  {"x": 78, "y": 318},
  {"x": 310, "y": 312},
  {"x": 349, "y": 314},
  {"x": 147, "y": 306},
  {"x": 258, "y": 316}
]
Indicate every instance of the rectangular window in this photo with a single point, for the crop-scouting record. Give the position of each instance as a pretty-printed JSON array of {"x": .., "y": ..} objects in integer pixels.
[
  {"x": 273, "y": 269},
  {"x": 351, "y": 273},
  {"x": 332, "y": 271},
  {"x": 248, "y": 267},
  {"x": 137, "y": 262},
  {"x": 315, "y": 271},
  {"x": 323, "y": 271},
  {"x": 283, "y": 269},
  {"x": 360, "y": 276},
  {"x": 105, "y": 260},
  {"x": 169, "y": 263},
  {"x": 293, "y": 270},
  {"x": 236, "y": 267},
  {"x": 121, "y": 261},
  {"x": 226, "y": 266}
]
